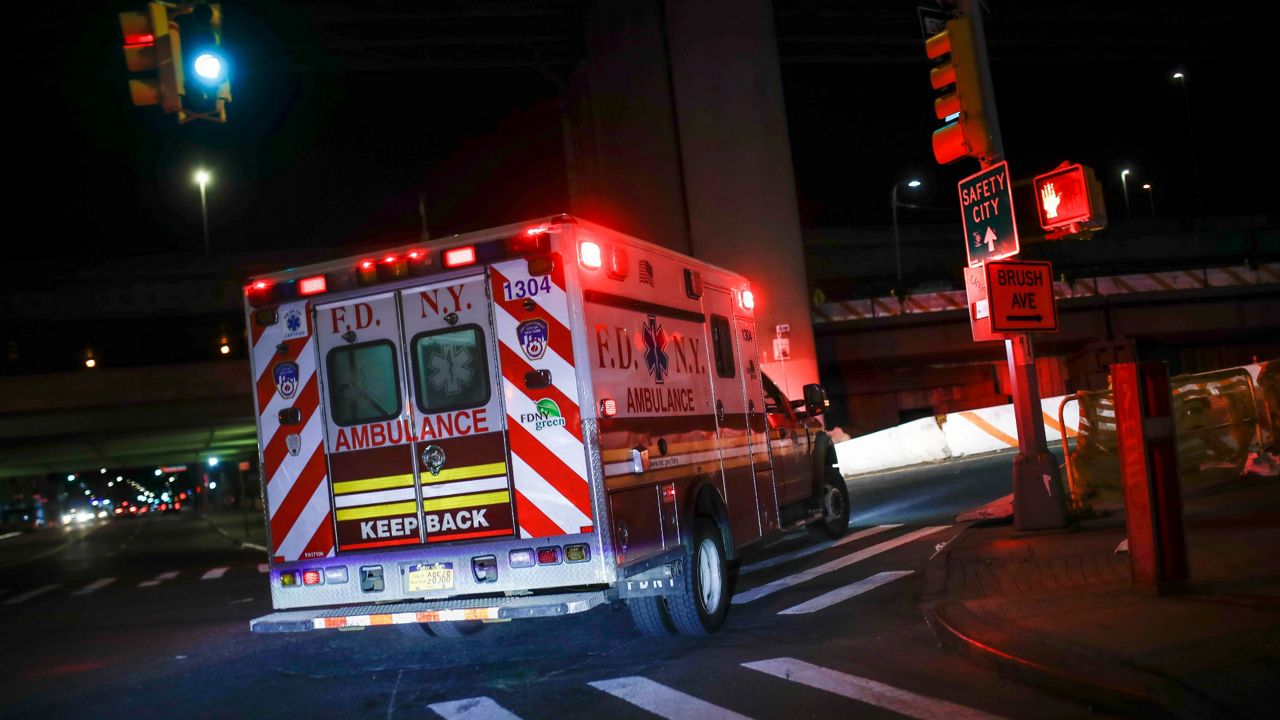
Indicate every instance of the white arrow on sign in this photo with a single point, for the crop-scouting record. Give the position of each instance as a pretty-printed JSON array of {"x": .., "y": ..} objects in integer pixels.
[{"x": 990, "y": 240}]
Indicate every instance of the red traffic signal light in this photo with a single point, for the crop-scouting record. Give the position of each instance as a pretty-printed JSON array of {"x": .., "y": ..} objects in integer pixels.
[
  {"x": 151, "y": 46},
  {"x": 960, "y": 75}
]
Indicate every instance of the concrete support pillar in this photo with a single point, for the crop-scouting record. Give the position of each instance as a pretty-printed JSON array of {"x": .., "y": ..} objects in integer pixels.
[
  {"x": 623, "y": 156},
  {"x": 736, "y": 156}
]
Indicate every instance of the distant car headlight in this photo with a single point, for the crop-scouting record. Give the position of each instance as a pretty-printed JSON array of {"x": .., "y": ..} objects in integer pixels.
[{"x": 68, "y": 519}]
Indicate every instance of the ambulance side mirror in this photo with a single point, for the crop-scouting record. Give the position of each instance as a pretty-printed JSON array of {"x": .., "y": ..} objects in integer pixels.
[{"x": 815, "y": 399}]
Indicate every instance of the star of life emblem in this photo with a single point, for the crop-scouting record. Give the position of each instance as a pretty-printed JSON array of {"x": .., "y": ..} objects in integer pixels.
[
  {"x": 655, "y": 350},
  {"x": 294, "y": 320},
  {"x": 451, "y": 370}
]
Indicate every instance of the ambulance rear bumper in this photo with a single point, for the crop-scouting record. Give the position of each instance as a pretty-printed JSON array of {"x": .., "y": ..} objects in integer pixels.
[{"x": 500, "y": 608}]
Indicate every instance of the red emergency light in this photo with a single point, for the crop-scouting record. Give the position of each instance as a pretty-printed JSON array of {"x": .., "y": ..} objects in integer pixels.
[
  {"x": 460, "y": 256},
  {"x": 139, "y": 39},
  {"x": 608, "y": 407},
  {"x": 1062, "y": 197},
  {"x": 310, "y": 577},
  {"x": 313, "y": 285},
  {"x": 589, "y": 255},
  {"x": 747, "y": 300}
]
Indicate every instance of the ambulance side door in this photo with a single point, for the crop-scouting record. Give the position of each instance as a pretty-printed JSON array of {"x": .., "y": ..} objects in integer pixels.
[
  {"x": 730, "y": 408},
  {"x": 757, "y": 423}
]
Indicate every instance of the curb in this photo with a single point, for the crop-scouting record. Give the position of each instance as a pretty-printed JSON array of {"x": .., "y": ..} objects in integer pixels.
[{"x": 243, "y": 545}]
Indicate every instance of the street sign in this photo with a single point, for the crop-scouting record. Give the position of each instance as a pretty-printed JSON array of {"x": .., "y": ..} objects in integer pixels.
[
  {"x": 1062, "y": 197},
  {"x": 986, "y": 206},
  {"x": 932, "y": 21},
  {"x": 975, "y": 288},
  {"x": 1020, "y": 296}
]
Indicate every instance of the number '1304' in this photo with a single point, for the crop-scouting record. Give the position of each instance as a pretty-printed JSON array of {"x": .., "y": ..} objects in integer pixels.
[{"x": 532, "y": 287}]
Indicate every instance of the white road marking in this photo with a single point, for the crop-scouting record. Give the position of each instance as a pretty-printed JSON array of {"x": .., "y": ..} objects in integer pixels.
[
  {"x": 94, "y": 586},
  {"x": 171, "y": 574},
  {"x": 826, "y": 600},
  {"x": 866, "y": 690},
  {"x": 477, "y": 708},
  {"x": 6, "y": 536},
  {"x": 805, "y": 575},
  {"x": 663, "y": 701},
  {"x": 813, "y": 549},
  {"x": 16, "y": 599},
  {"x": 214, "y": 574}
]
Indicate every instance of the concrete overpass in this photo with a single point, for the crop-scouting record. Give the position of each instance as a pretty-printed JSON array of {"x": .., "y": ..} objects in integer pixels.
[{"x": 125, "y": 417}]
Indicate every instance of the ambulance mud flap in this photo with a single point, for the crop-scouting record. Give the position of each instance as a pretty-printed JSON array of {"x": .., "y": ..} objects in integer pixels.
[
  {"x": 662, "y": 580},
  {"x": 485, "y": 609}
]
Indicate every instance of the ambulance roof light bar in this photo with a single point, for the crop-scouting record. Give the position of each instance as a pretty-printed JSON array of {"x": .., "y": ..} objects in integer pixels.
[{"x": 460, "y": 256}]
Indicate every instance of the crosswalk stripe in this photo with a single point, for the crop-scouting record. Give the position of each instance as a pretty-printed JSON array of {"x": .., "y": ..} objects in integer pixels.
[
  {"x": 805, "y": 575},
  {"x": 94, "y": 586},
  {"x": 814, "y": 549},
  {"x": 29, "y": 594},
  {"x": 841, "y": 594},
  {"x": 169, "y": 575},
  {"x": 476, "y": 708},
  {"x": 662, "y": 700},
  {"x": 866, "y": 690},
  {"x": 214, "y": 574}
]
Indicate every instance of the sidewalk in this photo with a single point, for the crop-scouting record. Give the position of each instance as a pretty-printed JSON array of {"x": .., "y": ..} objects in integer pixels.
[
  {"x": 243, "y": 528},
  {"x": 1056, "y": 609}
]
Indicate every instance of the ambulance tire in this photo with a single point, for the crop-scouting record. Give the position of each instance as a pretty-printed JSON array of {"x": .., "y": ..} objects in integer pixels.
[
  {"x": 701, "y": 607},
  {"x": 834, "y": 501},
  {"x": 649, "y": 615}
]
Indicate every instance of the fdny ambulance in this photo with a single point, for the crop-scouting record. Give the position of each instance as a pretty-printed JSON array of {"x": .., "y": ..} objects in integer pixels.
[{"x": 526, "y": 421}]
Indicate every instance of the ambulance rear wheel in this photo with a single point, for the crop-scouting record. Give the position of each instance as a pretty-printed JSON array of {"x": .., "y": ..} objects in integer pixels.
[
  {"x": 649, "y": 615},
  {"x": 834, "y": 499},
  {"x": 701, "y": 606}
]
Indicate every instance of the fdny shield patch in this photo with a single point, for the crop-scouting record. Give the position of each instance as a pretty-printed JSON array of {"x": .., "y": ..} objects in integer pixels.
[
  {"x": 286, "y": 376},
  {"x": 533, "y": 338}
]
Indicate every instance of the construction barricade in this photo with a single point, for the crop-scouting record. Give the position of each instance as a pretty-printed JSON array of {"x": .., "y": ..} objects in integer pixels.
[{"x": 1216, "y": 419}]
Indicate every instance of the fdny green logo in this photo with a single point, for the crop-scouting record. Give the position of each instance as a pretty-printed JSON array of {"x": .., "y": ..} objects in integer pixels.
[{"x": 547, "y": 415}]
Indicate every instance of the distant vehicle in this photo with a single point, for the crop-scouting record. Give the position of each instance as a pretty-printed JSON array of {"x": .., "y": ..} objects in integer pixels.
[{"x": 525, "y": 421}]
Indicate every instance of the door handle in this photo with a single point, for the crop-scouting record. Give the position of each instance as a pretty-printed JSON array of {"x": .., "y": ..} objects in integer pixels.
[{"x": 720, "y": 412}]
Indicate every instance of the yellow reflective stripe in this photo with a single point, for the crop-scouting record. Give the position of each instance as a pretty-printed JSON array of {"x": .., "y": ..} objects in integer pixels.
[
  {"x": 380, "y": 483},
  {"x": 463, "y": 473},
  {"x": 368, "y": 511},
  {"x": 457, "y": 501}
]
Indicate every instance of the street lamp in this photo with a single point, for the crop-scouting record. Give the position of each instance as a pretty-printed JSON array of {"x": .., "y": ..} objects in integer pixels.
[
  {"x": 1181, "y": 78},
  {"x": 893, "y": 203},
  {"x": 1151, "y": 196},
  {"x": 202, "y": 179},
  {"x": 1124, "y": 183}
]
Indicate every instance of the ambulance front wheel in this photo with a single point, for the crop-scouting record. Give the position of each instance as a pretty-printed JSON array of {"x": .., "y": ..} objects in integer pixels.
[
  {"x": 701, "y": 606},
  {"x": 834, "y": 499}
]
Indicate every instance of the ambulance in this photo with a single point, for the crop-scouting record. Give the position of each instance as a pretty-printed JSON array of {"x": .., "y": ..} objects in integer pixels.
[{"x": 527, "y": 421}]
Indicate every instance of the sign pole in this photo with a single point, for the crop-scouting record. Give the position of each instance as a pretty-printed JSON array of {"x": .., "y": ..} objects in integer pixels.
[{"x": 1038, "y": 502}]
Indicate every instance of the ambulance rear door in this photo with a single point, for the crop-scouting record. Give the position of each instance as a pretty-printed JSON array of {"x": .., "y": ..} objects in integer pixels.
[
  {"x": 370, "y": 428},
  {"x": 456, "y": 410}
]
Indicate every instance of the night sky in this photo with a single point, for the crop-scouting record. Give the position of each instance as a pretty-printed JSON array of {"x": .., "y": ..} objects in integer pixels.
[{"x": 315, "y": 157}]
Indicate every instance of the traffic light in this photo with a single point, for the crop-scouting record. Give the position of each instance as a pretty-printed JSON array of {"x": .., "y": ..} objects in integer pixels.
[
  {"x": 152, "y": 46},
  {"x": 1069, "y": 201},
  {"x": 960, "y": 75},
  {"x": 204, "y": 64}
]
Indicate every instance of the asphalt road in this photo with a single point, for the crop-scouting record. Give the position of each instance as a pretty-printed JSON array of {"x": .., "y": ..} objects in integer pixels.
[{"x": 148, "y": 618}]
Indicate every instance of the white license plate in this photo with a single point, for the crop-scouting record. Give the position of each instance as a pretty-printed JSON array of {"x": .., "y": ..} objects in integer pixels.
[{"x": 434, "y": 576}]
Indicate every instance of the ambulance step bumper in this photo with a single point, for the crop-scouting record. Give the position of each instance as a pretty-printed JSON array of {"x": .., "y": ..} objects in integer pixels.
[{"x": 499, "y": 608}]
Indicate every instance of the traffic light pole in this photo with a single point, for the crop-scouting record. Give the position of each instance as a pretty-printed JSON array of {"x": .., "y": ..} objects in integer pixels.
[{"x": 1038, "y": 499}]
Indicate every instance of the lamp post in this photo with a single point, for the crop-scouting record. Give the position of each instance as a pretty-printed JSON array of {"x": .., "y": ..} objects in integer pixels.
[
  {"x": 1151, "y": 197},
  {"x": 202, "y": 178},
  {"x": 1181, "y": 78},
  {"x": 1124, "y": 184},
  {"x": 893, "y": 203}
]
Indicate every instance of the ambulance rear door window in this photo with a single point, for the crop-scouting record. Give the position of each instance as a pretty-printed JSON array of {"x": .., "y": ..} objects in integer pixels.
[
  {"x": 450, "y": 369},
  {"x": 364, "y": 383},
  {"x": 722, "y": 344}
]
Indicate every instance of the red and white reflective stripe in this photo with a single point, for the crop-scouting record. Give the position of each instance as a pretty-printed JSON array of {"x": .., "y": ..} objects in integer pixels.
[
  {"x": 401, "y": 618},
  {"x": 297, "y": 488},
  {"x": 548, "y": 465}
]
